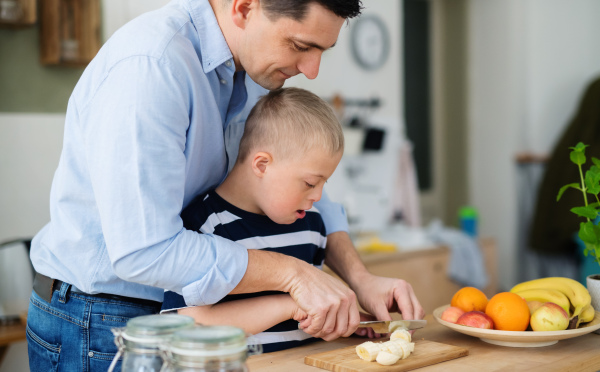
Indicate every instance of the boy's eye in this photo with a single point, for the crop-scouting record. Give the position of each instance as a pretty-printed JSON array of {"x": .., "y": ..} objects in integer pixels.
[
  {"x": 309, "y": 185},
  {"x": 299, "y": 48}
]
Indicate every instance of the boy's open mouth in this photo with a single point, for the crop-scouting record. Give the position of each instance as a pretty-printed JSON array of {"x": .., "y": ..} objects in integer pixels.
[{"x": 300, "y": 213}]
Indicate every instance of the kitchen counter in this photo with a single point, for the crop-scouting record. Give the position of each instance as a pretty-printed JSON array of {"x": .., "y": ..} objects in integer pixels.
[
  {"x": 8, "y": 335},
  {"x": 576, "y": 354}
]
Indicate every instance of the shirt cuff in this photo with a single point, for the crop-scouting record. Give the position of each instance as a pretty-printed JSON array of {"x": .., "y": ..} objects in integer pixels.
[
  {"x": 333, "y": 214},
  {"x": 223, "y": 277}
]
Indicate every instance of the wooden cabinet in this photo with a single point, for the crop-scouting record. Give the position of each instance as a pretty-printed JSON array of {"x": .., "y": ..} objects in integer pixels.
[
  {"x": 26, "y": 10},
  {"x": 426, "y": 271},
  {"x": 69, "y": 31}
]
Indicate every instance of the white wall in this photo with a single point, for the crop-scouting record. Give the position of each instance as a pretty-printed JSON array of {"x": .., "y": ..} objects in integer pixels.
[
  {"x": 563, "y": 57},
  {"x": 529, "y": 62},
  {"x": 340, "y": 74}
]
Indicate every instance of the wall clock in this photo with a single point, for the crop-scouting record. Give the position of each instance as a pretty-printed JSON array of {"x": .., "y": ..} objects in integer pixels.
[{"x": 370, "y": 42}]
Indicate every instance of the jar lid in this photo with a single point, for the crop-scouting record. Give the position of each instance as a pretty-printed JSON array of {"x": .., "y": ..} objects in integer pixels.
[
  {"x": 209, "y": 341},
  {"x": 149, "y": 328}
]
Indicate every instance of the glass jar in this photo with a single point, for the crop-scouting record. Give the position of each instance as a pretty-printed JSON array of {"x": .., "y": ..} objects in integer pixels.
[
  {"x": 208, "y": 349},
  {"x": 139, "y": 341}
]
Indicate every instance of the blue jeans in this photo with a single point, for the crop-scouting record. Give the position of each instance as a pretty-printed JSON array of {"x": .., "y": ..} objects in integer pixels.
[{"x": 73, "y": 332}]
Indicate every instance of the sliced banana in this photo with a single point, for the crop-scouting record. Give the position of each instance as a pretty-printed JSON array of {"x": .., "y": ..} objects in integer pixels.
[
  {"x": 387, "y": 359},
  {"x": 401, "y": 334},
  {"x": 386, "y": 353},
  {"x": 393, "y": 347},
  {"x": 368, "y": 351},
  {"x": 407, "y": 348}
]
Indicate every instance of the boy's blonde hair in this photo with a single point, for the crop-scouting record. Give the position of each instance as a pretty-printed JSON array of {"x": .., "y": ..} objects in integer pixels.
[{"x": 290, "y": 122}]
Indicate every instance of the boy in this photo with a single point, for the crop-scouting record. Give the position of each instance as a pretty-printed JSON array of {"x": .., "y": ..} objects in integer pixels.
[{"x": 291, "y": 145}]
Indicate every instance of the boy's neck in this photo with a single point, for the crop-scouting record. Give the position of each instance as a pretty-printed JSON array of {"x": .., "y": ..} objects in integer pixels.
[{"x": 237, "y": 189}]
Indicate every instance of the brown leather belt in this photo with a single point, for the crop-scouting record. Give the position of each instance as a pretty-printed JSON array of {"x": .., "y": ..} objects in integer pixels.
[{"x": 45, "y": 286}]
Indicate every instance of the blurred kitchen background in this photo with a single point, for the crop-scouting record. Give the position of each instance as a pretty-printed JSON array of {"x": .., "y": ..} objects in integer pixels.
[{"x": 454, "y": 103}]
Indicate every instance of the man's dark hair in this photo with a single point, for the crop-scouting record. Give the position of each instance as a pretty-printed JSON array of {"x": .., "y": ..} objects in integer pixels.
[{"x": 296, "y": 9}]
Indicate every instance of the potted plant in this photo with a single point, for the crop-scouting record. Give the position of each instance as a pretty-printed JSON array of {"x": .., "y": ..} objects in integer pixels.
[{"x": 589, "y": 231}]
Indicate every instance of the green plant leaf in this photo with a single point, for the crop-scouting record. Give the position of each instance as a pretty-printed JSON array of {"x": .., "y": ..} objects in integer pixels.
[
  {"x": 592, "y": 180},
  {"x": 588, "y": 212},
  {"x": 579, "y": 147},
  {"x": 565, "y": 187},
  {"x": 577, "y": 157},
  {"x": 596, "y": 161},
  {"x": 587, "y": 233}
]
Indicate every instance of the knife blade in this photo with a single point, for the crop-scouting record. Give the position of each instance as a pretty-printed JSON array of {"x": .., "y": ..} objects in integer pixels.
[{"x": 389, "y": 326}]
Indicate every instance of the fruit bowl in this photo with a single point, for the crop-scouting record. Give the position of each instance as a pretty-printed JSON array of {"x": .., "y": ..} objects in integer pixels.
[{"x": 518, "y": 339}]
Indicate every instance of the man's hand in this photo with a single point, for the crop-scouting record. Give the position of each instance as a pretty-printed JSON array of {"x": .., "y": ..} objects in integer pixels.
[
  {"x": 377, "y": 295},
  {"x": 330, "y": 305},
  {"x": 368, "y": 331},
  {"x": 380, "y": 296}
]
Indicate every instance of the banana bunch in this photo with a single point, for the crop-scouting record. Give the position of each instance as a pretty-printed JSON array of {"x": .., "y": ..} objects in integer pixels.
[
  {"x": 578, "y": 302},
  {"x": 387, "y": 353}
]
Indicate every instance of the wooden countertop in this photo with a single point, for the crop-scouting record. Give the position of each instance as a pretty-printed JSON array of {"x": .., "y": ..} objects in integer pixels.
[{"x": 576, "y": 354}]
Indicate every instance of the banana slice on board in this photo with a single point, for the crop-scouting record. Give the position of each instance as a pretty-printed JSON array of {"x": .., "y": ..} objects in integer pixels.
[
  {"x": 387, "y": 359},
  {"x": 368, "y": 350}
]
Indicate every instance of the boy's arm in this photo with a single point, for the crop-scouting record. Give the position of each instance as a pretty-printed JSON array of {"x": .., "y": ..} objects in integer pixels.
[{"x": 253, "y": 315}]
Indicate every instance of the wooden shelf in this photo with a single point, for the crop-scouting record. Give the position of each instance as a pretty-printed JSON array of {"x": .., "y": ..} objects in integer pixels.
[
  {"x": 65, "y": 23},
  {"x": 28, "y": 19}
]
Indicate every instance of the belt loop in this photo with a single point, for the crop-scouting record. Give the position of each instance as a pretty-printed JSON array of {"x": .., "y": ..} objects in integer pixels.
[{"x": 64, "y": 289}]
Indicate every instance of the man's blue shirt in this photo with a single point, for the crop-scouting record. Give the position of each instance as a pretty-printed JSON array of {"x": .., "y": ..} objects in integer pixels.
[{"x": 155, "y": 120}]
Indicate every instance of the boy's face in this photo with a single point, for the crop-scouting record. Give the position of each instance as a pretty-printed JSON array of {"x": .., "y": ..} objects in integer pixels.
[
  {"x": 272, "y": 52},
  {"x": 290, "y": 187}
]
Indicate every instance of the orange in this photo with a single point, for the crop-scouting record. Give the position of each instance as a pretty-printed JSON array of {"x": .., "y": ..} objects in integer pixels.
[
  {"x": 469, "y": 299},
  {"x": 509, "y": 311}
]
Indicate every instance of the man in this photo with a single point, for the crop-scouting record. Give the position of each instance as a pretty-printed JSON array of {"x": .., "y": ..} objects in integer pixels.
[{"x": 154, "y": 121}]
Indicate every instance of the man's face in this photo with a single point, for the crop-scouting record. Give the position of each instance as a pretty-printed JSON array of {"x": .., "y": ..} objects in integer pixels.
[{"x": 271, "y": 52}]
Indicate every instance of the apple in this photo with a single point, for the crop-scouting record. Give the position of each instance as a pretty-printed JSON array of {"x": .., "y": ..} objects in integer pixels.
[
  {"x": 549, "y": 317},
  {"x": 533, "y": 306},
  {"x": 452, "y": 314},
  {"x": 476, "y": 319}
]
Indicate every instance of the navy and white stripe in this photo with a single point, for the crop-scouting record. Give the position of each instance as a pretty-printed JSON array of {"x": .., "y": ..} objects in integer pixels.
[{"x": 304, "y": 239}]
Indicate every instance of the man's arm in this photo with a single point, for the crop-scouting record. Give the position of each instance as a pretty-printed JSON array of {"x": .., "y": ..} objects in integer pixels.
[
  {"x": 329, "y": 304},
  {"x": 253, "y": 315}
]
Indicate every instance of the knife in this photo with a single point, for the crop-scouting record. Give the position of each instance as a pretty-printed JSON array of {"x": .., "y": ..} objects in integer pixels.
[{"x": 389, "y": 326}]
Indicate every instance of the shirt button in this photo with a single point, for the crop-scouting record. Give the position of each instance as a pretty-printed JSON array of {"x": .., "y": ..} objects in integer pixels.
[
  {"x": 228, "y": 63},
  {"x": 223, "y": 81},
  {"x": 91, "y": 354}
]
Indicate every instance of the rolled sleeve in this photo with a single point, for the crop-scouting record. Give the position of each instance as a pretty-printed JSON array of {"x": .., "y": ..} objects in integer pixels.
[{"x": 220, "y": 279}]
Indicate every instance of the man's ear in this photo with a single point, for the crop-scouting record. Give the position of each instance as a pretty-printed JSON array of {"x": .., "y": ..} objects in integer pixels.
[
  {"x": 241, "y": 11},
  {"x": 260, "y": 162}
]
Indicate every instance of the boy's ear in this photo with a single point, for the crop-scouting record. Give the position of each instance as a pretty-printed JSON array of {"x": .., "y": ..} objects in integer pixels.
[
  {"x": 260, "y": 162},
  {"x": 241, "y": 11}
]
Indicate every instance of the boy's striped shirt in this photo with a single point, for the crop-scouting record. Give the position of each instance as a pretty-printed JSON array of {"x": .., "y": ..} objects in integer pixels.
[{"x": 304, "y": 239}]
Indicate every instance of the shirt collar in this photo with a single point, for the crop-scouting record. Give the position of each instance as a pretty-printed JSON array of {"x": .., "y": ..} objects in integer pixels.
[{"x": 213, "y": 47}]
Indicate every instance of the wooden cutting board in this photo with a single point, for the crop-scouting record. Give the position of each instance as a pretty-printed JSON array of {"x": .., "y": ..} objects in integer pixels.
[{"x": 346, "y": 360}]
